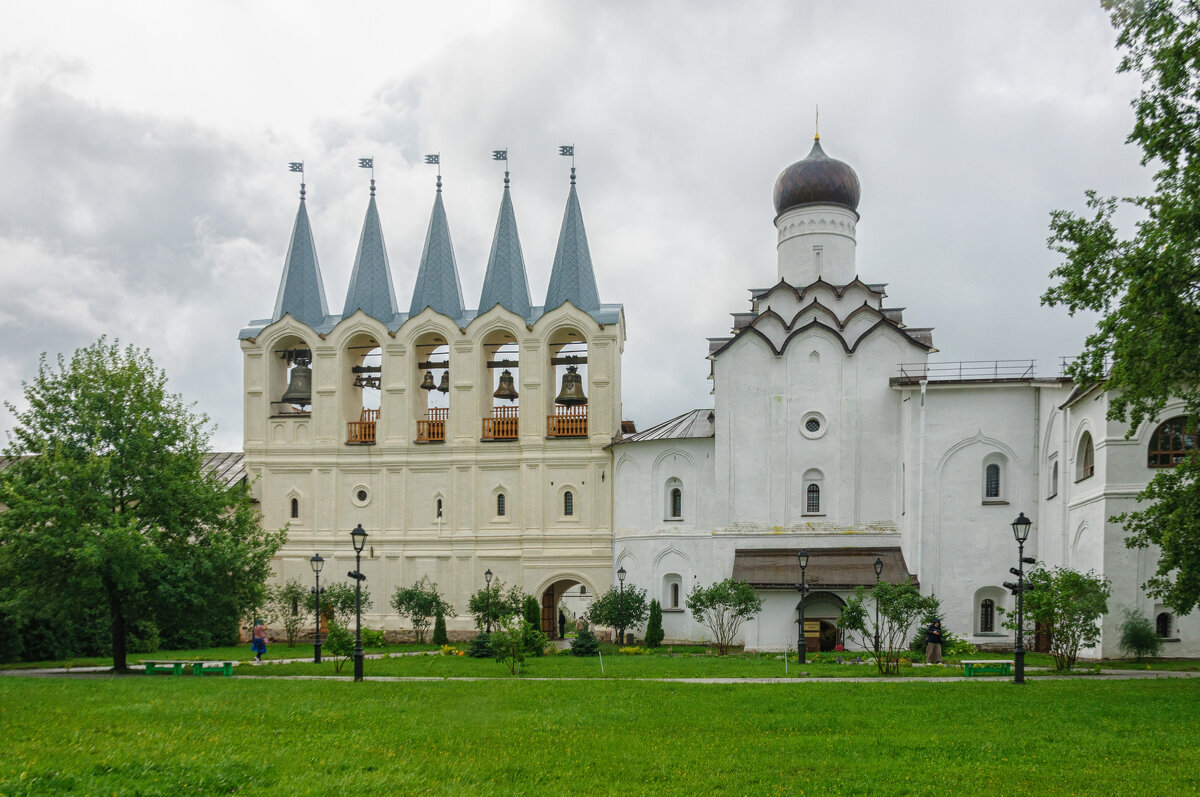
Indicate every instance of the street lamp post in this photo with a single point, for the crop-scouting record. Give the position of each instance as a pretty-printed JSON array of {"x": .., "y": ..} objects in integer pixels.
[
  {"x": 359, "y": 537},
  {"x": 317, "y": 563},
  {"x": 878, "y": 573},
  {"x": 621, "y": 608},
  {"x": 802, "y": 587},
  {"x": 487, "y": 577},
  {"x": 1021, "y": 527}
]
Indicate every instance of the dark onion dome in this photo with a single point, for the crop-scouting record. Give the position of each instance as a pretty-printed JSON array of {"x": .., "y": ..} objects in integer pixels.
[{"x": 818, "y": 179}]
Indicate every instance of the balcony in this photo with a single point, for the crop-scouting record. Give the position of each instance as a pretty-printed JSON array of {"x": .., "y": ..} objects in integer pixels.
[
  {"x": 432, "y": 428},
  {"x": 502, "y": 424},
  {"x": 362, "y": 431},
  {"x": 567, "y": 421}
]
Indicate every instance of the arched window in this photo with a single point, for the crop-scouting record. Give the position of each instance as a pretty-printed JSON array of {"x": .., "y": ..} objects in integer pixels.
[
  {"x": 295, "y": 507},
  {"x": 1171, "y": 443},
  {"x": 1053, "y": 491},
  {"x": 1162, "y": 625},
  {"x": 672, "y": 588},
  {"x": 568, "y": 503},
  {"x": 500, "y": 505},
  {"x": 991, "y": 481},
  {"x": 987, "y": 616},
  {"x": 675, "y": 595},
  {"x": 673, "y": 499},
  {"x": 676, "y": 502},
  {"x": 1085, "y": 465},
  {"x": 439, "y": 507},
  {"x": 813, "y": 505}
]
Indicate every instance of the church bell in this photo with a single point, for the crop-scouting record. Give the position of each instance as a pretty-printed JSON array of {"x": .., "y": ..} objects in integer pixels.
[
  {"x": 572, "y": 388},
  {"x": 299, "y": 390},
  {"x": 427, "y": 382},
  {"x": 506, "y": 390},
  {"x": 444, "y": 385}
]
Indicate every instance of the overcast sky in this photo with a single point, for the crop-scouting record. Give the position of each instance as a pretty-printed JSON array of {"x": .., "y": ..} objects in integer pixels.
[{"x": 144, "y": 192}]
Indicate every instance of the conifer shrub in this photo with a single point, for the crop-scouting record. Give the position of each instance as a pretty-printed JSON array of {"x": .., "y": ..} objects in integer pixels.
[
  {"x": 654, "y": 629},
  {"x": 1138, "y": 638},
  {"x": 585, "y": 644},
  {"x": 480, "y": 646},
  {"x": 439, "y": 629}
]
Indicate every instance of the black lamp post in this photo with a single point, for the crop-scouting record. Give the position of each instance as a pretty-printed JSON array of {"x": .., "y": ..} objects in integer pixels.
[
  {"x": 878, "y": 573},
  {"x": 317, "y": 563},
  {"x": 359, "y": 537},
  {"x": 802, "y": 587},
  {"x": 487, "y": 577},
  {"x": 621, "y": 608},
  {"x": 1020, "y": 527}
]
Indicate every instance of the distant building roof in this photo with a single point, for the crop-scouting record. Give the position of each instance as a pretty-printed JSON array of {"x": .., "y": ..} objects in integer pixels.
[
  {"x": 229, "y": 466},
  {"x": 828, "y": 568},
  {"x": 694, "y": 424}
]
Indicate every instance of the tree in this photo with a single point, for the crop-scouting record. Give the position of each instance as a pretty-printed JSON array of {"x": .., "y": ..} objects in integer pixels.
[
  {"x": 288, "y": 602},
  {"x": 900, "y": 605},
  {"x": 337, "y": 602},
  {"x": 1138, "y": 638},
  {"x": 513, "y": 640},
  {"x": 1146, "y": 287},
  {"x": 585, "y": 644},
  {"x": 492, "y": 604},
  {"x": 439, "y": 629},
  {"x": 339, "y": 643},
  {"x": 421, "y": 602},
  {"x": 108, "y": 504},
  {"x": 654, "y": 628},
  {"x": 620, "y": 609},
  {"x": 1066, "y": 604},
  {"x": 723, "y": 607}
]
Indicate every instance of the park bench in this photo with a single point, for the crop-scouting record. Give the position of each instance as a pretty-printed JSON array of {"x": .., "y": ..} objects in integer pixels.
[
  {"x": 169, "y": 666},
  {"x": 224, "y": 668},
  {"x": 973, "y": 667}
]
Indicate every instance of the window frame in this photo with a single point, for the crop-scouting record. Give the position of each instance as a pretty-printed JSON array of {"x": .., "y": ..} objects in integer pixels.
[
  {"x": 812, "y": 499},
  {"x": 1175, "y": 426},
  {"x": 1085, "y": 468}
]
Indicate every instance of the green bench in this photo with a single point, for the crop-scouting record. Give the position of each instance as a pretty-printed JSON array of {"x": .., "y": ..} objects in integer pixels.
[
  {"x": 224, "y": 668},
  {"x": 164, "y": 666},
  {"x": 975, "y": 667},
  {"x": 176, "y": 667}
]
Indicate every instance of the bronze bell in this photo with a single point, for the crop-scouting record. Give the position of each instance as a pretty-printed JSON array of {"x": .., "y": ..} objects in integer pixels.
[
  {"x": 506, "y": 390},
  {"x": 444, "y": 385},
  {"x": 299, "y": 390},
  {"x": 572, "y": 388},
  {"x": 427, "y": 382}
]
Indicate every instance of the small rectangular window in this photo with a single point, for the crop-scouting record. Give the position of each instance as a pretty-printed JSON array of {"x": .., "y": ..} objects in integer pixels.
[{"x": 568, "y": 503}]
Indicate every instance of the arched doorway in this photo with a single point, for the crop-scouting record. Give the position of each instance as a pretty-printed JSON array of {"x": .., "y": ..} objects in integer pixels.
[
  {"x": 562, "y": 602},
  {"x": 821, "y": 612}
]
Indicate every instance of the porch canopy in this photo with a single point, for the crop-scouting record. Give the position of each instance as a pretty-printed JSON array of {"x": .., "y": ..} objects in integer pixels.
[{"x": 828, "y": 568}]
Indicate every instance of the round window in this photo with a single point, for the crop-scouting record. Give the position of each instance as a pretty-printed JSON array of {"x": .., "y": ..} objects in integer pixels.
[
  {"x": 812, "y": 425},
  {"x": 362, "y": 494}
]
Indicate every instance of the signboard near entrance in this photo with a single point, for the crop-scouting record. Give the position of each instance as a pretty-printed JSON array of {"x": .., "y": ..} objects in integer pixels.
[{"x": 812, "y": 627}]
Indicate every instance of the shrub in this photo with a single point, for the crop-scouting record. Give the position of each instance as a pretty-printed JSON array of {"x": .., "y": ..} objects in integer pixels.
[
  {"x": 420, "y": 603},
  {"x": 288, "y": 602},
  {"x": 532, "y": 611},
  {"x": 339, "y": 642},
  {"x": 439, "y": 629},
  {"x": 480, "y": 646},
  {"x": 1138, "y": 637},
  {"x": 512, "y": 640},
  {"x": 1067, "y": 604},
  {"x": 633, "y": 651},
  {"x": 654, "y": 629},
  {"x": 620, "y": 609},
  {"x": 492, "y": 605},
  {"x": 723, "y": 607},
  {"x": 373, "y": 639},
  {"x": 585, "y": 644}
]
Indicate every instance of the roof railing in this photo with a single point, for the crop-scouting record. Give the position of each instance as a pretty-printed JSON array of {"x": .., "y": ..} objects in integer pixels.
[{"x": 967, "y": 370}]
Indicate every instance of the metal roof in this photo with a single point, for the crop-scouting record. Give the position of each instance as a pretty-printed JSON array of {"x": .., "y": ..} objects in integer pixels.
[
  {"x": 828, "y": 568},
  {"x": 301, "y": 292},
  {"x": 572, "y": 278},
  {"x": 229, "y": 466},
  {"x": 437, "y": 278},
  {"x": 694, "y": 424},
  {"x": 371, "y": 280},
  {"x": 505, "y": 282}
]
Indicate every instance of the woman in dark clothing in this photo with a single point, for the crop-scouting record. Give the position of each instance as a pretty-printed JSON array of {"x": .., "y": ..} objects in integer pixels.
[{"x": 933, "y": 643}]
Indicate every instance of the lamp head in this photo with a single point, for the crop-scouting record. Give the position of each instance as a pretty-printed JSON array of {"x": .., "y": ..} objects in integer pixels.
[
  {"x": 487, "y": 576},
  {"x": 803, "y": 558},
  {"x": 1021, "y": 527},
  {"x": 878, "y": 566},
  {"x": 359, "y": 536},
  {"x": 621, "y": 575},
  {"x": 317, "y": 563}
]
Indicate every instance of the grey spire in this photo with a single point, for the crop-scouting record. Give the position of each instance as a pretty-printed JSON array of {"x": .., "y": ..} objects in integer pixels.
[
  {"x": 437, "y": 279},
  {"x": 505, "y": 283},
  {"x": 371, "y": 280},
  {"x": 301, "y": 292},
  {"x": 572, "y": 279}
]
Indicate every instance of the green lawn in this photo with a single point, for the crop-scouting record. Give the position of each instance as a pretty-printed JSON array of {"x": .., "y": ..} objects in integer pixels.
[
  {"x": 169, "y": 736},
  {"x": 231, "y": 653}
]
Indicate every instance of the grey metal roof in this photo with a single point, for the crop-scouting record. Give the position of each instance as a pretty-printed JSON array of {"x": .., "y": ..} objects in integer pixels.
[
  {"x": 301, "y": 292},
  {"x": 572, "y": 278},
  {"x": 229, "y": 466},
  {"x": 371, "y": 280},
  {"x": 437, "y": 279},
  {"x": 828, "y": 568},
  {"x": 694, "y": 424},
  {"x": 505, "y": 282}
]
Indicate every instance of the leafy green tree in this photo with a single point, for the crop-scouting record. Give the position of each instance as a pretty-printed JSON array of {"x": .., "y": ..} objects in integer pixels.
[
  {"x": 654, "y": 627},
  {"x": 339, "y": 643},
  {"x": 1068, "y": 605},
  {"x": 288, "y": 602},
  {"x": 1138, "y": 637},
  {"x": 108, "y": 504},
  {"x": 439, "y": 629},
  {"x": 620, "y": 609},
  {"x": 1146, "y": 287},
  {"x": 515, "y": 639},
  {"x": 900, "y": 606},
  {"x": 723, "y": 607},
  {"x": 420, "y": 603},
  {"x": 492, "y": 604},
  {"x": 337, "y": 602}
]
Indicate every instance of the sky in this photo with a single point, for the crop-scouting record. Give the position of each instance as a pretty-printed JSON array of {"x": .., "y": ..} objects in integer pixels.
[{"x": 144, "y": 191}]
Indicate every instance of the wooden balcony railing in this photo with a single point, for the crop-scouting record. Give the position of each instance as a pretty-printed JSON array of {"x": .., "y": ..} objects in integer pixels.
[
  {"x": 432, "y": 429},
  {"x": 502, "y": 425},
  {"x": 362, "y": 431},
  {"x": 567, "y": 421}
]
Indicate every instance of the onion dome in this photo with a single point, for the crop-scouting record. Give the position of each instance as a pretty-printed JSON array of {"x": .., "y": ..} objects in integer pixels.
[{"x": 818, "y": 179}]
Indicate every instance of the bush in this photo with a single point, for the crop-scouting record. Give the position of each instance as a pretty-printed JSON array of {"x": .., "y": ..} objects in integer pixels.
[
  {"x": 585, "y": 644},
  {"x": 421, "y": 602},
  {"x": 480, "y": 646},
  {"x": 1138, "y": 637},
  {"x": 339, "y": 642},
  {"x": 373, "y": 639},
  {"x": 511, "y": 642},
  {"x": 439, "y": 629},
  {"x": 654, "y": 629}
]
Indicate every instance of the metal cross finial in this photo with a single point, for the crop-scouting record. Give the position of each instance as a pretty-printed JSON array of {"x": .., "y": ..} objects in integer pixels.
[{"x": 817, "y": 125}]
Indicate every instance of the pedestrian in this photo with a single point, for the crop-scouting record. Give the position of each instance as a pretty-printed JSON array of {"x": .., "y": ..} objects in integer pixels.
[
  {"x": 259, "y": 642},
  {"x": 933, "y": 643},
  {"x": 562, "y": 624}
]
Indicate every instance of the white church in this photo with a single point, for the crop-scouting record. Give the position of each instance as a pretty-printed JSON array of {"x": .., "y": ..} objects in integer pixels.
[{"x": 490, "y": 440}]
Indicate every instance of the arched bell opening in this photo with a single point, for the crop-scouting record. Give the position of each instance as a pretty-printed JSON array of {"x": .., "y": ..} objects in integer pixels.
[
  {"x": 290, "y": 378},
  {"x": 567, "y": 414},
  {"x": 361, "y": 381},
  {"x": 565, "y": 604},
  {"x": 431, "y": 375},
  {"x": 502, "y": 372}
]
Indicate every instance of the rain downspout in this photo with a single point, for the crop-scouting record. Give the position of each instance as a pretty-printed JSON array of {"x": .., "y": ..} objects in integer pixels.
[{"x": 921, "y": 489}]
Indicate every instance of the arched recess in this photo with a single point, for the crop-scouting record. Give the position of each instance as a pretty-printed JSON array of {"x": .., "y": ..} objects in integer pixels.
[
  {"x": 430, "y": 380},
  {"x": 563, "y": 598},
  {"x": 500, "y": 378},
  {"x": 994, "y": 478},
  {"x": 812, "y": 494},
  {"x": 569, "y": 502},
  {"x": 987, "y": 616},
  {"x": 823, "y": 609},
  {"x": 565, "y": 376},
  {"x": 673, "y": 468},
  {"x": 294, "y": 507},
  {"x": 361, "y": 362},
  {"x": 286, "y": 351},
  {"x": 1077, "y": 542}
]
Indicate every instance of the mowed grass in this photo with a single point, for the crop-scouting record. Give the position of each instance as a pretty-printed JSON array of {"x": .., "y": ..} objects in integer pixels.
[{"x": 170, "y": 736}]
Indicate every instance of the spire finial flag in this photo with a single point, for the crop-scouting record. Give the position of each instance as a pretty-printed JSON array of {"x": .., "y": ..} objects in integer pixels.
[
  {"x": 436, "y": 160},
  {"x": 369, "y": 163},
  {"x": 817, "y": 125},
  {"x": 298, "y": 166},
  {"x": 568, "y": 151}
]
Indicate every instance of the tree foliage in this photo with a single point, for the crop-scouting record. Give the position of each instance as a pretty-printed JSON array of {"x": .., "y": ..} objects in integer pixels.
[
  {"x": 337, "y": 602},
  {"x": 723, "y": 607},
  {"x": 654, "y": 626},
  {"x": 514, "y": 640},
  {"x": 421, "y": 603},
  {"x": 439, "y": 629},
  {"x": 620, "y": 609},
  {"x": 900, "y": 606},
  {"x": 1068, "y": 606},
  {"x": 108, "y": 504},
  {"x": 288, "y": 604},
  {"x": 493, "y": 604},
  {"x": 1138, "y": 638},
  {"x": 1146, "y": 287}
]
